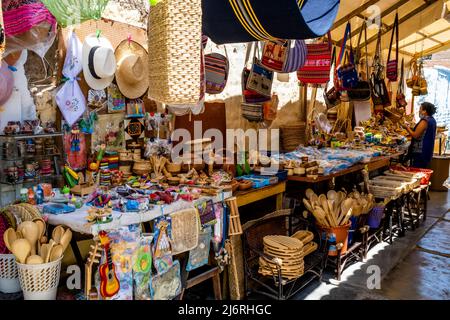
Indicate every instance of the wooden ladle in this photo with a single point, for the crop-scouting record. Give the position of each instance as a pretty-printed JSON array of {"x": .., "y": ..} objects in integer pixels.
[
  {"x": 35, "y": 259},
  {"x": 65, "y": 239},
  {"x": 57, "y": 234},
  {"x": 56, "y": 253},
  {"x": 21, "y": 248},
  {"x": 30, "y": 231},
  {"x": 9, "y": 237}
]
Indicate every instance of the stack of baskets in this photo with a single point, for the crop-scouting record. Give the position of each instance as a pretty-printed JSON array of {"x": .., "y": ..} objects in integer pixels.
[
  {"x": 288, "y": 253},
  {"x": 292, "y": 136}
]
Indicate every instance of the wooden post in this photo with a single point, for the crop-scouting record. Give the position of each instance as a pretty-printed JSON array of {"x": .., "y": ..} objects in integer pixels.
[
  {"x": 303, "y": 98},
  {"x": 310, "y": 110}
]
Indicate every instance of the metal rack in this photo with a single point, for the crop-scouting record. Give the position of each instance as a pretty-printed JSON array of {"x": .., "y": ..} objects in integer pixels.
[{"x": 10, "y": 190}]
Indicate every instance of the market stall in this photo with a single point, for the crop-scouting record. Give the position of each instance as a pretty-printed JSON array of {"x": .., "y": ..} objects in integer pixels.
[{"x": 151, "y": 204}]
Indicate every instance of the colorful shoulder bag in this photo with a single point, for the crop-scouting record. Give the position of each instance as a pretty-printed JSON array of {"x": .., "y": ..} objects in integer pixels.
[
  {"x": 296, "y": 57},
  {"x": 260, "y": 79},
  {"x": 216, "y": 72},
  {"x": 392, "y": 65},
  {"x": 249, "y": 95},
  {"x": 275, "y": 55},
  {"x": 346, "y": 76},
  {"x": 380, "y": 94},
  {"x": 316, "y": 69},
  {"x": 332, "y": 97}
]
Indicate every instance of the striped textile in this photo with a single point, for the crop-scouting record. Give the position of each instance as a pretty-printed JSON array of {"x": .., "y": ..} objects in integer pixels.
[
  {"x": 252, "y": 112},
  {"x": 296, "y": 57},
  {"x": 25, "y": 17},
  {"x": 316, "y": 69},
  {"x": 216, "y": 72}
]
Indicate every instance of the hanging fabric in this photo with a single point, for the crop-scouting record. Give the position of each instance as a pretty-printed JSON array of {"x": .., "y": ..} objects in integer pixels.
[
  {"x": 392, "y": 65},
  {"x": 362, "y": 90},
  {"x": 380, "y": 95},
  {"x": 316, "y": 69},
  {"x": 234, "y": 21},
  {"x": 70, "y": 98}
]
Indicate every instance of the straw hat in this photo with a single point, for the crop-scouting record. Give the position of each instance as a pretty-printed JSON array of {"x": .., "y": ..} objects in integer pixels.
[
  {"x": 6, "y": 83},
  {"x": 132, "y": 69},
  {"x": 99, "y": 62}
]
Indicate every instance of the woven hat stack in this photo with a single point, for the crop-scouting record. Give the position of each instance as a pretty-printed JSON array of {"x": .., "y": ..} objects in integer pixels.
[{"x": 288, "y": 253}]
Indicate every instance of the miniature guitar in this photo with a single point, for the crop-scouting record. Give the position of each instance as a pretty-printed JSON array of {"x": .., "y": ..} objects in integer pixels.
[{"x": 109, "y": 284}]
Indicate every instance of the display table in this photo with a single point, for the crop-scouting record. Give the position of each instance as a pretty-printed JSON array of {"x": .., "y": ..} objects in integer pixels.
[
  {"x": 375, "y": 164},
  {"x": 254, "y": 195}
]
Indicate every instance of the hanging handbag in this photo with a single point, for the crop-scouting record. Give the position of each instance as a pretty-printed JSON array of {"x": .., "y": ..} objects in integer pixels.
[
  {"x": 346, "y": 76},
  {"x": 252, "y": 112},
  {"x": 296, "y": 57},
  {"x": 420, "y": 87},
  {"x": 316, "y": 69},
  {"x": 270, "y": 108},
  {"x": 400, "y": 98},
  {"x": 392, "y": 65},
  {"x": 250, "y": 96},
  {"x": 332, "y": 96},
  {"x": 260, "y": 79},
  {"x": 216, "y": 72},
  {"x": 380, "y": 94},
  {"x": 275, "y": 55},
  {"x": 362, "y": 90}
]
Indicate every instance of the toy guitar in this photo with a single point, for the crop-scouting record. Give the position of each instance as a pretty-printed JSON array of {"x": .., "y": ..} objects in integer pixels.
[{"x": 109, "y": 284}]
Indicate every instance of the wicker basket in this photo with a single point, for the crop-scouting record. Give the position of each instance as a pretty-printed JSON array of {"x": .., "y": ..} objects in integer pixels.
[
  {"x": 9, "y": 276},
  {"x": 185, "y": 230},
  {"x": 142, "y": 167},
  {"x": 173, "y": 167},
  {"x": 292, "y": 136},
  {"x": 40, "y": 281},
  {"x": 174, "y": 40}
]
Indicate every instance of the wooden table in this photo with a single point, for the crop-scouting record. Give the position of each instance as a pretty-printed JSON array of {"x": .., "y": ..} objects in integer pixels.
[
  {"x": 375, "y": 164},
  {"x": 254, "y": 195}
]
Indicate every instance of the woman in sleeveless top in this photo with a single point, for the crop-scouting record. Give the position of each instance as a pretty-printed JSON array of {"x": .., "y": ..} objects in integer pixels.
[{"x": 423, "y": 136}]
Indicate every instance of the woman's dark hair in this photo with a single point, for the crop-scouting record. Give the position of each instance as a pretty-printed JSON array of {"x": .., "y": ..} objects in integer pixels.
[{"x": 429, "y": 108}]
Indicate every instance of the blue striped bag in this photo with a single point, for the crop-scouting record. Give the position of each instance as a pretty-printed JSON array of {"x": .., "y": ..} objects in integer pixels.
[{"x": 296, "y": 56}]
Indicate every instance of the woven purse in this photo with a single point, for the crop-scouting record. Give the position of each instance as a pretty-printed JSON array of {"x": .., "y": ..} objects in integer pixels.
[
  {"x": 275, "y": 55},
  {"x": 392, "y": 65},
  {"x": 216, "y": 72},
  {"x": 316, "y": 69}
]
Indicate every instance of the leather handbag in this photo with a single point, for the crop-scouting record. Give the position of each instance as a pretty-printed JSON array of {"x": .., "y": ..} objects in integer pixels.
[
  {"x": 420, "y": 86},
  {"x": 275, "y": 55},
  {"x": 392, "y": 65},
  {"x": 316, "y": 69},
  {"x": 380, "y": 94},
  {"x": 332, "y": 96},
  {"x": 400, "y": 98},
  {"x": 346, "y": 76}
]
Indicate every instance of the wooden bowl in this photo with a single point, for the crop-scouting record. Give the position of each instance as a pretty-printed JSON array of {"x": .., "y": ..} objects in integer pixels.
[
  {"x": 245, "y": 185},
  {"x": 173, "y": 167}
]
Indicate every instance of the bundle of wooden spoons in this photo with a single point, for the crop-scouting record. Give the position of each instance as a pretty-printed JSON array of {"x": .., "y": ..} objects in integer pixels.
[{"x": 29, "y": 245}]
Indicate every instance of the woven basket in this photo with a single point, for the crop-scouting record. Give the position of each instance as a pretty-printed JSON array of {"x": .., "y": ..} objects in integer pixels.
[
  {"x": 292, "y": 136},
  {"x": 174, "y": 40},
  {"x": 40, "y": 281},
  {"x": 9, "y": 276},
  {"x": 185, "y": 230}
]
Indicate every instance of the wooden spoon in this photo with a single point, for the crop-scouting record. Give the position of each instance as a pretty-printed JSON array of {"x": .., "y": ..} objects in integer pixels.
[
  {"x": 57, "y": 234},
  {"x": 30, "y": 231},
  {"x": 35, "y": 259},
  {"x": 309, "y": 193},
  {"x": 50, "y": 246},
  {"x": 21, "y": 248},
  {"x": 9, "y": 237},
  {"x": 65, "y": 239},
  {"x": 56, "y": 253},
  {"x": 19, "y": 235},
  {"x": 44, "y": 251},
  {"x": 41, "y": 226}
]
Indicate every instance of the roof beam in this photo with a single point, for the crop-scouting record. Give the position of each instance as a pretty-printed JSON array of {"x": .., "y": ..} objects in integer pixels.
[
  {"x": 426, "y": 36},
  {"x": 354, "y": 13},
  {"x": 404, "y": 18},
  {"x": 432, "y": 49}
]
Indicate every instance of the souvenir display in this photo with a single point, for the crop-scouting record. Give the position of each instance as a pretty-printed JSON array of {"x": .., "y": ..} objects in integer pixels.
[{"x": 116, "y": 101}]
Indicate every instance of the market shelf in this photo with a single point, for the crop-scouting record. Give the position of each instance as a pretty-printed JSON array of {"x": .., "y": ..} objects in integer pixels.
[{"x": 31, "y": 136}]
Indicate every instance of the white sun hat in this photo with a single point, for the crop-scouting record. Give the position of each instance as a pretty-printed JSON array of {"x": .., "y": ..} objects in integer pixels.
[{"x": 99, "y": 62}]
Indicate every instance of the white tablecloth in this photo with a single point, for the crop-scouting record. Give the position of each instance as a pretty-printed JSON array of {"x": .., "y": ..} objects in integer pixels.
[{"x": 78, "y": 223}]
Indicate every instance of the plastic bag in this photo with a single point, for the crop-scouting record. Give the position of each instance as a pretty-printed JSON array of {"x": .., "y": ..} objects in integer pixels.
[
  {"x": 198, "y": 257},
  {"x": 28, "y": 25}
]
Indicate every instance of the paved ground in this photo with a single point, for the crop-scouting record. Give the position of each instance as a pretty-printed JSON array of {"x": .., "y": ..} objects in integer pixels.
[{"x": 413, "y": 267}]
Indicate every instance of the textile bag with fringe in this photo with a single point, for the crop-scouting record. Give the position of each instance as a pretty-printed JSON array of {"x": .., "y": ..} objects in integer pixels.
[{"x": 175, "y": 43}]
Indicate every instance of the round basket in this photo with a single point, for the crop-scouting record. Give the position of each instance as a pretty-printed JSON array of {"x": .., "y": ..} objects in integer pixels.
[
  {"x": 292, "y": 136},
  {"x": 9, "y": 276},
  {"x": 40, "y": 281},
  {"x": 142, "y": 167},
  {"x": 173, "y": 167}
]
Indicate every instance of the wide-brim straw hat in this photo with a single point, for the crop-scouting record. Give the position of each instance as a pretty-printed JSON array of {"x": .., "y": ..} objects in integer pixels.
[
  {"x": 6, "y": 83},
  {"x": 132, "y": 69},
  {"x": 99, "y": 62},
  {"x": 233, "y": 22}
]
